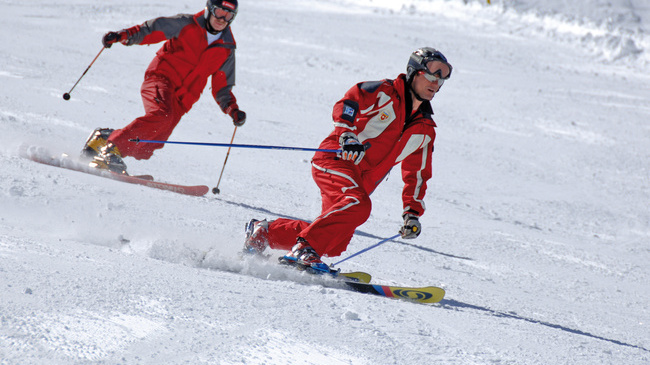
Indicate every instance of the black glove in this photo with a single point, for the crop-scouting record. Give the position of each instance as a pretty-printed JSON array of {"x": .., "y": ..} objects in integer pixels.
[
  {"x": 352, "y": 149},
  {"x": 238, "y": 117},
  {"x": 113, "y": 37},
  {"x": 411, "y": 227}
]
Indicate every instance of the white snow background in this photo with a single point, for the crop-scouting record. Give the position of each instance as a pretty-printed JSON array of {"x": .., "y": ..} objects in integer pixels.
[{"x": 538, "y": 220}]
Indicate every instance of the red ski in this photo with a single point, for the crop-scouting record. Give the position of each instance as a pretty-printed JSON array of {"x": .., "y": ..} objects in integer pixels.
[{"x": 41, "y": 155}]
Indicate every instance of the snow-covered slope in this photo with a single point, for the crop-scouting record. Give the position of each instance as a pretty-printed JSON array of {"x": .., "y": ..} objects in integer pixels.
[
  {"x": 537, "y": 224},
  {"x": 616, "y": 31}
]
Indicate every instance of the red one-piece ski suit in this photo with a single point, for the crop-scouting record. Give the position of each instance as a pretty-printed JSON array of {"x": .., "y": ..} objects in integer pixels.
[
  {"x": 176, "y": 78},
  {"x": 378, "y": 112}
]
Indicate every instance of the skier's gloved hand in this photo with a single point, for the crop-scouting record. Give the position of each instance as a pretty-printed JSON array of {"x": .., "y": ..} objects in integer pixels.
[
  {"x": 352, "y": 149},
  {"x": 238, "y": 117},
  {"x": 113, "y": 37},
  {"x": 411, "y": 227}
]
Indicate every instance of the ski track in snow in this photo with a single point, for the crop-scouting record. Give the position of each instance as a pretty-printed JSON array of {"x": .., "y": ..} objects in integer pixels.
[{"x": 537, "y": 224}]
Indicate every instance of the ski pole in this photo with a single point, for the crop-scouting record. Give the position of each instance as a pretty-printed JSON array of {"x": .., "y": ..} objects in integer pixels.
[
  {"x": 367, "y": 249},
  {"x": 215, "y": 190},
  {"x": 138, "y": 140},
  {"x": 66, "y": 96}
]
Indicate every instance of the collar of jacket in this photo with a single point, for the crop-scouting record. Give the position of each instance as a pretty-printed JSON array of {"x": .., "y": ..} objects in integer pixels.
[
  {"x": 227, "y": 37},
  {"x": 405, "y": 88}
]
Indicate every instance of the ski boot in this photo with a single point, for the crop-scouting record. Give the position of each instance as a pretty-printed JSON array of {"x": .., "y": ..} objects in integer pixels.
[
  {"x": 303, "y": 256},
  {"x": 109, "y": 158},
  {"x": 256, "y": 237},
  {"x": 97, "y": 139}
]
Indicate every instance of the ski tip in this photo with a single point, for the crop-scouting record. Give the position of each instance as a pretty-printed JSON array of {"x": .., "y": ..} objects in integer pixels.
[{"x": 429, "y": 294}]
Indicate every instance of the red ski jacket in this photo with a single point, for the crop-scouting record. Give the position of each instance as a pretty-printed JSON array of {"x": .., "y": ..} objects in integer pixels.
[
  {"x": 186, "y": 58},
  {"x": 376, "y": 111}
]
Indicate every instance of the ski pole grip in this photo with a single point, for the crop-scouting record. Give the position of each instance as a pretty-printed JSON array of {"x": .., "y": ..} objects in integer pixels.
[{"x": 136, "y": 140}]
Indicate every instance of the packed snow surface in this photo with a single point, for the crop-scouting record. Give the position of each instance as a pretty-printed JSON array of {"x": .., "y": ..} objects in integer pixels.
[{"x": 538, "y": 219}]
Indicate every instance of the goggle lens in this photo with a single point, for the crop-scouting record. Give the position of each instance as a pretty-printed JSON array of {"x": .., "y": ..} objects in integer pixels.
[
  {"x": 435, "y": 76},
  {"x": 224, "y": 14}
]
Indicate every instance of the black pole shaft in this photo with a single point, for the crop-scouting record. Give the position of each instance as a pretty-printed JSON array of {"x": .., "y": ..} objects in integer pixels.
[{"x": 66, "y": 96}]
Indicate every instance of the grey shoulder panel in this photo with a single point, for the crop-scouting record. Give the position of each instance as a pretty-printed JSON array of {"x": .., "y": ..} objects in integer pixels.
[
  {"x": 170, "y": 26},
  {"x": 370, "y": 86}
]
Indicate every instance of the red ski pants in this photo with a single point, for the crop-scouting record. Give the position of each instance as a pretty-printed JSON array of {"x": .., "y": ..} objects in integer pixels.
[
  {"x": 345, "y": 206},
  {"x": 162, "y": 114}
]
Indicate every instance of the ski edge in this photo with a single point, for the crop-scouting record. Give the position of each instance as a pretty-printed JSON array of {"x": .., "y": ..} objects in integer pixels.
[
  {"x": 361, "y": 277},
  {"x": 193, "y": 190},
  {"x": 65, "y": 162}
]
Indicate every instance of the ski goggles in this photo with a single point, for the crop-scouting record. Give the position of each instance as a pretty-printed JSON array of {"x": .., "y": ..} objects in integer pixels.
[
  {"x": 435, "y": 76},
  {"x": 221, "y": 13}
]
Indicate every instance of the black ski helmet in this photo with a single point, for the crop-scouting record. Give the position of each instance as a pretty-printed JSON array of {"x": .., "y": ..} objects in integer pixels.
[
  {"x": 229, "y": 5},
  {"x": 419, "y": 59}
]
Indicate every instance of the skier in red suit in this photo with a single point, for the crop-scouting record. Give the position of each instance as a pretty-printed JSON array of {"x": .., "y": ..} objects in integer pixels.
[
  {"x": 196, "y": 48},
  {"x": 377, "y": 125}
]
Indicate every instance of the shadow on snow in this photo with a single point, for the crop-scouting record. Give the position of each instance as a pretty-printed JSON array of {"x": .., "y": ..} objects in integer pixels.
[{"x": 451, "y": 304}]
